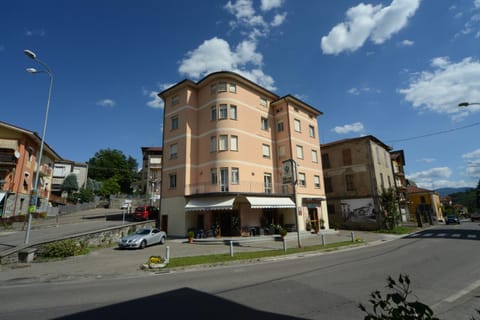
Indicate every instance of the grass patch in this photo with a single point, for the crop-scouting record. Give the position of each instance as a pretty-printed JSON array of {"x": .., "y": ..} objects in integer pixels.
[
  {"x": 256, "y": 255},
  {"x": 399, "y": 230}
]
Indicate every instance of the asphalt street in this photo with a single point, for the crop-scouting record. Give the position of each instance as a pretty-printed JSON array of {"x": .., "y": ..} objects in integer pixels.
[{"x": 111, "y": 262}]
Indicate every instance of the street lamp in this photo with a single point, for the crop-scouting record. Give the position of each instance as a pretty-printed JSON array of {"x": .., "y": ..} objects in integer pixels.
[
  {"x": 466, "y": 104},
  {"x": 33, "y": 198}
]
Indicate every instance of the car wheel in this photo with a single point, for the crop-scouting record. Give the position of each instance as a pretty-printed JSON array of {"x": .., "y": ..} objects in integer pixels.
[
  {"x": 143, "y": 244},
  {"x": 162, "y": 240}
]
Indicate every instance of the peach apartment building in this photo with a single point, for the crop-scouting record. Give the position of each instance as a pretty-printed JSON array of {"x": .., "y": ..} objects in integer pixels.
[{"x": 226, "y": 141}]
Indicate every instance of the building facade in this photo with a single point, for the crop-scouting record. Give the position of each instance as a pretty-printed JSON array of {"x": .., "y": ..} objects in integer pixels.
[
  {"x": 424, "y": 205},
  {"x": 152, "y": 173},
  {"x": 19, "y": 150},
  {"x": 398, "y": 164},
  {"x": 63, "y": 169},
  {"x": 356, "y": 171},
  {"x": 227, "y": 142}
]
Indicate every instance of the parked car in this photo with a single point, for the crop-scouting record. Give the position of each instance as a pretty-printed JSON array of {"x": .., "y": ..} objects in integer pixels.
[
  {"x": 142, "y": 238},
  {"x": 145, "y": 213},
  {"x": 452, "y": 219},
  {"x": 475, "y": 216}
]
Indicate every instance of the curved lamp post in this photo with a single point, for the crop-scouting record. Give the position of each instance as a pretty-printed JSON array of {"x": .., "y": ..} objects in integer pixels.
[{"x": 34, "y": 196}]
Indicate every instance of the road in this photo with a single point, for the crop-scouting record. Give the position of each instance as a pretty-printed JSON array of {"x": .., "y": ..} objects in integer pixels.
[{"x": 443, "y": 264}]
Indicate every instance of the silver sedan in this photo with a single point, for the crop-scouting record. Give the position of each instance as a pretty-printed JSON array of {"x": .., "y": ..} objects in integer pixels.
[{"x": 142, "y": 238}]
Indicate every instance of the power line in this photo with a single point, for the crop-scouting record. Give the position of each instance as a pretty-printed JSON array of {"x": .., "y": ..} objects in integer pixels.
[{"x": 435, "y": 133}]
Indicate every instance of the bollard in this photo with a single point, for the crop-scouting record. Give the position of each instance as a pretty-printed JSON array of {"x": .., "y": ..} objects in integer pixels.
[
  {"x": 353, "y": 236},
  {"x": 231, "y": 248},
  {"x": 284, "y": 245},
  {"x": 167, "y": 254},
  {"x": 323, "y": 240}
]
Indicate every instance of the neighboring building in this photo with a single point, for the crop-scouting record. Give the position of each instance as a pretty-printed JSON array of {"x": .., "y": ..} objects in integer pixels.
[
  {"x": 398, "y": 164},
  {"x": 19, "y": 149},
  {"x": 152, "y": 173},
  {"x": 356, "y": 171},
  {"x": 424, "y": 205},
  {"x": 225, "y": 141},
  {"x": 63, "y": 169}
]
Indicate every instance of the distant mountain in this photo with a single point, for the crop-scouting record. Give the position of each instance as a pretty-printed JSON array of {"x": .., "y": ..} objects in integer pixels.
[{"x": 447, "y": 191}]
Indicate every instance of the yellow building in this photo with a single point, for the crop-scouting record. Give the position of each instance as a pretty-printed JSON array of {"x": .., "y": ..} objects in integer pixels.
[
  {"x": 226, "y": 141},
  {"x": 424, "y": 205}
]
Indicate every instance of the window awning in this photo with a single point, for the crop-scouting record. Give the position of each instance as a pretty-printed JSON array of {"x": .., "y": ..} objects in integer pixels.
[
  {"x": 204, "y": 204},
  {"x": 270, "y": 202}
]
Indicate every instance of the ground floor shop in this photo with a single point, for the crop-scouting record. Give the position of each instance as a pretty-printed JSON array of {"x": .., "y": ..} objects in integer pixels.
[{"x": 242, "y": 215}]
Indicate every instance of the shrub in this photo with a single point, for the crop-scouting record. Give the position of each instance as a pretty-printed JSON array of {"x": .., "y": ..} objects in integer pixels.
[{"x": 63, "y": 249}]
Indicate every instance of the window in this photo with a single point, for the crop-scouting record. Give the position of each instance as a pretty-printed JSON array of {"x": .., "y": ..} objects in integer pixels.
[
  {"x": 233, "y": 112},
  {"x": 280, "y": 126},
  {"x": 213, "y": 88},
  {"x": 316, "y": 182},
  {"x": 223, "y": 142},
  {"x": 325, "y": 161},
  {"x": 328, "y": 185},
  {"x": 213, "y": 113},
  {"x": 222, "y": 112},
  {"x": 266, "y": 151},
  {"x": 349, "y": 182},
  {"x": 232, "y": 87},
  {"x": 378, "y": 156},
  {"x": 267, "y": 182},
  {"x": 172, "y": 181},
  {"x": 389, "y": 182},
  {"x": 300, "y": 152},
  {"x": 297, "y": 125},
  {"x": 173, "y": 151},
  {"x": 263, "y": 101},
  {"x": 174, "y": 123},
  {"x": 264, "y": 122},
  {"x": 301, "y": 180},
  {"x": 314, "y": 156},
  {"x": 347, "y": 157},
  {"x": 311, "y": 131},
  {"x": 222, "y": 86},
  {"x": 281, "y": 151},
  {"x": 382, "y": 183},
  {"x": 213, "y": 175},
  {"x": 235, "y": 176},
  {"x": 224, "y": 179},
  {"x": 175, "y": 100},
  {"x": 213, "y": 144},
  {"x": 234, "y": 143}
]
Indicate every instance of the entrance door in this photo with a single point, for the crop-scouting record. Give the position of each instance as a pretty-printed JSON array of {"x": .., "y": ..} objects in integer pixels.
[{"x": 313, "y": 215}]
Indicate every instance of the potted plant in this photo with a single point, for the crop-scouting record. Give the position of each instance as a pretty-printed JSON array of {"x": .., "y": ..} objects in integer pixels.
[
  {"x": 283, "y": 232},
  {"x": 190, "y": 236}
]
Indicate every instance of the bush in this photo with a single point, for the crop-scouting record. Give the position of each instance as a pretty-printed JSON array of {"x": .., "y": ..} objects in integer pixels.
[{"x": 63, "y": 249}]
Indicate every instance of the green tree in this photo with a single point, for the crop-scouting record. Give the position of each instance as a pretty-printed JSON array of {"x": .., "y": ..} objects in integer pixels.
[
  {"x": 113, "y": 164},
  {"x": 70, "y": 183},
  {"x": 388, "y": 199},
  {"x": 85, "y": 195},
  {"x": 110, "y": 186}
]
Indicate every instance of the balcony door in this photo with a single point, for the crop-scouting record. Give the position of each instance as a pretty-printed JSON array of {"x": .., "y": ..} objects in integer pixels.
[{"x": 224, "y": 179}]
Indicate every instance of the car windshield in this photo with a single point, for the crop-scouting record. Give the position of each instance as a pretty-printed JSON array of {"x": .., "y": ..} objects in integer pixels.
[{"x": 143, "y": 231}]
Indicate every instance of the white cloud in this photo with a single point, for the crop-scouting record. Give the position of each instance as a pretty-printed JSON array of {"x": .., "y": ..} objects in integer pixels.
[
  {"x": 366, "y": 21},
  {"x": 155, "y": 101},
  {"x": 473, "y": 164},
  {"x": 215, "y": 55},
  {"x": 434, "y": 178},
  {"x": 35, "y": 32},
  {"x": 473, "y": 154},
  {"x": 476, "y": 3},
  {"x": 354, "y": 127},
  {"x": 278, "y": 19},
  {"x": 406, "y": 43},
  {"x": 448, "y": 84},
  {"x": 267, "y": 5},
  {"x": 357, "y": 91},
  {"x": 106, "y": 103},
  {"x": 427, "y": 160}
]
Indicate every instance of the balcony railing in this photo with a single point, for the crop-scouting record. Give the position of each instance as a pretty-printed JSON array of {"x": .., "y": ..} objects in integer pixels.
[
  {"x": 244, "y": 187},
  {"x": 8, "y": 159}
]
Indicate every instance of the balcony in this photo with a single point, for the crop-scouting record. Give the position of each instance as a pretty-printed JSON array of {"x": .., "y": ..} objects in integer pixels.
[
  {"x": 8, "y": 159},
  {"x": 244, "y": 187}
]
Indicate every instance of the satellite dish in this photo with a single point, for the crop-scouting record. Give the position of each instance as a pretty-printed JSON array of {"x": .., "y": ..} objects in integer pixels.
[{"x": 17, "y": 154}]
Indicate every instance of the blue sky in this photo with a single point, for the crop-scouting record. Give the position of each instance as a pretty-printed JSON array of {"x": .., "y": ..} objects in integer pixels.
[{"x": 395, "y": 69}]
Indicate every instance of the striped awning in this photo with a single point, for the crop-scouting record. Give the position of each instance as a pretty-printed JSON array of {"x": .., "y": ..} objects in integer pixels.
[
  {"x": 204, "y": 204},
  {"x": 270, "y": 202}
]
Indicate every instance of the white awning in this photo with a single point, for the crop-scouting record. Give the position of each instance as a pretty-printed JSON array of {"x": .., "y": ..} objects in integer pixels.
[
  {"x": 204, "y": 204},
  {"x": 2, "y": 195},
  {"x": 270, "y": 202}
]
